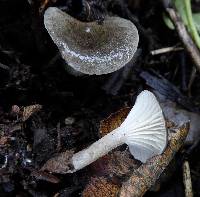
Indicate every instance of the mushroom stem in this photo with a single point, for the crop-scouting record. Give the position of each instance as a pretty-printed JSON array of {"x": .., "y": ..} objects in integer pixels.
[
  {"x": 143, "y": 131},
  {"x": 97, "y": 149}
]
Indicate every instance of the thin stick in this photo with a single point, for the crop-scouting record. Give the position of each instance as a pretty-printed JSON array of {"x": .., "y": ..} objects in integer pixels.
[
  {"x": 187, "y": 179},
  {"x": 185, "y": 37},
  {"x": 166, "y": 50},
  {"x": 3, "y": 66},
  {"x": 58, "y": 137},
  {"x": 192, "y": 78}
]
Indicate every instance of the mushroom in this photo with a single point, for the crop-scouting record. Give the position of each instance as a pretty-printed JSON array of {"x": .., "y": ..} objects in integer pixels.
[
  {"x": 89, "y": 47},
  {"x": 143, "y": 131}
]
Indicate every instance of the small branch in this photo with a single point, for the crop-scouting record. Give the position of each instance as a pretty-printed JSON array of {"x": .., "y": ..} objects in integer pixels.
[
  {"x": 185, "y": 37},
  {"x": 187, "y": 179},
  {"x": 192, "y": 78},
  {"x": 166, "y": 50},
  {"x": 58, "y": 137},
  {"x": 3, "y": 66}
]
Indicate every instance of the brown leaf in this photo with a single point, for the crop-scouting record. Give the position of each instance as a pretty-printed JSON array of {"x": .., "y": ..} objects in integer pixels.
[
  {"x": 4, "y": 140},
  {"x": 113, "y": 121},
  {"x": 100, "y": 187},
  {"x": 147, "y": 174},
  {"x": 121, "y": 163},
  {"x": 41, "y": 175},
  {"x": 60, "y": 163},
  {"x": 144, "y": 177},
  {"x": 115, "y": 164},
  {"x": 30, "y": 110}
]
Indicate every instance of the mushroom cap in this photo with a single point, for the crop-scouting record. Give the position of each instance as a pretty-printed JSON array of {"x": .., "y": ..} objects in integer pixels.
[
  {"x": 91, "y": 48},
  {"x": 144, "y": 128}
]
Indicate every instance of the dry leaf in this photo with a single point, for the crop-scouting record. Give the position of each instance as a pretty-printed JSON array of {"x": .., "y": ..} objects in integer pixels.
[
  {"x": 41, "y": 175},
  {"x": 4, "y": 140},
  {"x": 113, "y": 121},
  {"x": 121, "y": 163},
  {"x": 30, "y": 110},
  {"x": 100, "y": 187},
  {"x": 60, "y": 163},
  {"x": 143, "y": 178},
  {"x": 115, "y": 164}
]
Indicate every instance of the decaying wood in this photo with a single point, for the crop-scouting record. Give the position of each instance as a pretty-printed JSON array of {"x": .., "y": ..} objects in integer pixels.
[{"x": 147, "y": 174}]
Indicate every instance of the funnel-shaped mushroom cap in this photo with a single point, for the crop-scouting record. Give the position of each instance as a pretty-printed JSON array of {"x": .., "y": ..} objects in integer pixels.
[
  {"x": 144, "y": 128},
  {"x": 92, "y": 48}
]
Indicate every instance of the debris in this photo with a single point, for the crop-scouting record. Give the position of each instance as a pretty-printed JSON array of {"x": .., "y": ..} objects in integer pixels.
[
  {"x": 60, "y": 163},
  {"x": 41, "y": 175},
  {"x": 184, "y": 36},
  {"x": 167, "y": 89},
  {"x": 99, "y": 186},
  {"x": 29, "y": 111},
  {"x": 187, "y": 179},
  {"x": 165, "y": 50}
]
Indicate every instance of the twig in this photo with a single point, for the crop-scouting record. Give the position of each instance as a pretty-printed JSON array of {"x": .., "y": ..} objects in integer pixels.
[
  {"x": 58, "y": 137},
  {"x": 183, "y": 71},
  {"x": 166, "y": 50},
  {"x": 185, "y": 37},
  {"x": 3, "y": 66},
  {"x": 187, "y": 179}
]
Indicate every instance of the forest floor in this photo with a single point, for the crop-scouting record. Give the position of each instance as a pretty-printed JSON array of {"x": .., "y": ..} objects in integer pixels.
[{"x": 45, "y": 111}]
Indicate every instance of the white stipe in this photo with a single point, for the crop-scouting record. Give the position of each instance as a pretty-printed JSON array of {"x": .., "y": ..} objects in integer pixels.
[{"x": 143, "y": 131}]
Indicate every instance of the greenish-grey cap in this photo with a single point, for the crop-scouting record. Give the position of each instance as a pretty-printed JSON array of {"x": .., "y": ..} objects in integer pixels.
[{"x": 89, "y": 47}]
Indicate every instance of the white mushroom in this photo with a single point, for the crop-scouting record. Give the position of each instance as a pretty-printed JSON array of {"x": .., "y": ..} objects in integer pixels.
[
  {"x": 143, "y": 131},
  {"x": 89, "y": 47}
]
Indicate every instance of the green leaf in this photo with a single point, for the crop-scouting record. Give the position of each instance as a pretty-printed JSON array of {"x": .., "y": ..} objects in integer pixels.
[
  {"x": 196, "y": 18},
  {"x": 179, "y": 5}
]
